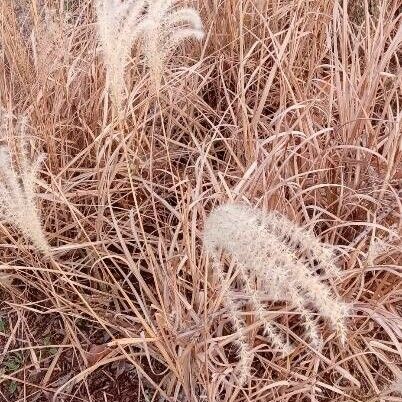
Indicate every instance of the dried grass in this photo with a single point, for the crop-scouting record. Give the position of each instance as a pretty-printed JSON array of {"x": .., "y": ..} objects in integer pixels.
[{"x": 289, "y": 106}]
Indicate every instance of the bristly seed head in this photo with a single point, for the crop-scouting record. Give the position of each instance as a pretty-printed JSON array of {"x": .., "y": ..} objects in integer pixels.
[
  {"x": 18, "y": 192},
  {"x": 156, "y": 23},
  {"x": 270, "y": 247}
]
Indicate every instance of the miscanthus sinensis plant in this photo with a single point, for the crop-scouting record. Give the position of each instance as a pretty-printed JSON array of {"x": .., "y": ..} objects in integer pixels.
[
  {"x": 159, "y": 25},
  {"x": 285, "y": 258},
  {"x": 18, "y": 188}
]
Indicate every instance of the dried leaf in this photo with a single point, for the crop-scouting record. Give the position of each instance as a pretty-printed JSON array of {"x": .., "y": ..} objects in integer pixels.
[{"x": 97, "y": 353}]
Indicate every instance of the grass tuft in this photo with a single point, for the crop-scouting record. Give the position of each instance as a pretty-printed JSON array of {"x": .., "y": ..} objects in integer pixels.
[{"x": 289, "y": 106}]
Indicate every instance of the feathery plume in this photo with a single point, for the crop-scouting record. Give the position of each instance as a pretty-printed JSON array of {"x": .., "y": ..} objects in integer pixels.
[
  {"x": 269, "y": 330},
  {"x": 18, "y": 191},
  {"x": 164, "y": 28},
  {"x": 270, "y": 247},
  {"x": 160, "y": 26},
  {"x": 305, "y": 241},
  {"x": 118, "y": 27},
  {"x": 244, "y": 352},
  {"x": 396, "y": 386}
]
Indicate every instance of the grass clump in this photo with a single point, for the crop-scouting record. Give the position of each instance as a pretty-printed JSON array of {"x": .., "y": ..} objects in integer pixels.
[{"x": 291, "y": 106}]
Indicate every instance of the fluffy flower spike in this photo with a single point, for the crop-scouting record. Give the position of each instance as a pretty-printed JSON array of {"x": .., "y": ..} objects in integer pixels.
[
  {"x": 160, "y": 26},
  {"x": 270, "y": 247},
  {"x": 118, "y": 27},
  {"x": 18, "y": 192},
  {"x": 164, "y": 29}
]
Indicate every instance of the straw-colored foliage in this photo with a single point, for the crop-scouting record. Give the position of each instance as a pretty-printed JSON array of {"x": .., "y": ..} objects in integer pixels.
[{"x": 286, "y": 106}]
